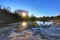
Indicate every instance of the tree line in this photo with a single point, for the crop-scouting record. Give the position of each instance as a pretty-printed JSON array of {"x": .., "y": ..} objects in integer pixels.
[
  {"x": 47, "y": 18},
  {"x": 31, "y": 18}
]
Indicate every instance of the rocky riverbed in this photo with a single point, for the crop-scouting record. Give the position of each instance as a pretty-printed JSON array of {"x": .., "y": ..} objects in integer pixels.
[
  {"x": 41, "y": 33},
  {"x": 24, "y": 35}
]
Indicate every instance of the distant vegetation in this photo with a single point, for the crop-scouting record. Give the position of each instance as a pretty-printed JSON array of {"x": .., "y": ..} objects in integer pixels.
[
  {"x": 49, "y": 18},
  {"x": 17, "y": 17}
]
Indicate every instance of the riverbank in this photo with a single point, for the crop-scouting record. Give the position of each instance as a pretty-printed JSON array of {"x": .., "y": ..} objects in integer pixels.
[
  {"x": 55, "y": 21},
  {"x": 3, "y": 25}
]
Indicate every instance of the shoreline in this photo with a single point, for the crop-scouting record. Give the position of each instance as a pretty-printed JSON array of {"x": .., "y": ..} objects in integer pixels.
[{"x": 55, "y": 21}]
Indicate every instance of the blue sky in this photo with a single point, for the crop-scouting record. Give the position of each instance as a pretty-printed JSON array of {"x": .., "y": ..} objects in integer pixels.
[{"x": 35, "y": 7}]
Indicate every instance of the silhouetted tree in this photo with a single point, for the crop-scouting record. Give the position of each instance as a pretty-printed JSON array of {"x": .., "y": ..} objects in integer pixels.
[{"x": 32, "y": 18}]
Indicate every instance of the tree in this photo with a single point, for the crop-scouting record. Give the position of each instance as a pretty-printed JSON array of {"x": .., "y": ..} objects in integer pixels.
[
  {"x": 32, "y": 21},
  {"x": 5, "y": 10},
  {"x": 32, "y": 18}
]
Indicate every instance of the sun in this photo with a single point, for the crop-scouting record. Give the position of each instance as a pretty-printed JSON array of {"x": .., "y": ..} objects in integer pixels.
[{"x": 23, "y": 14}]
